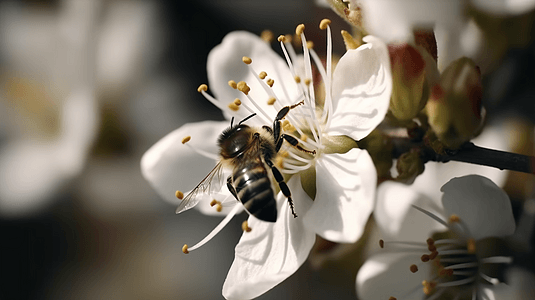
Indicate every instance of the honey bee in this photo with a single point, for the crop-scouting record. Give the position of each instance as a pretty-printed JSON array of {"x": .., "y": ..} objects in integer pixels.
[{"x": 250, "y": 151}]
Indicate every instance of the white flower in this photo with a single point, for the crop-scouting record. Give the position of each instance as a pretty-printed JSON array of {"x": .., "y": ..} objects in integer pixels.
[
  {"x": 341, "y": 178},
  {"x": 453, "y": 263}
]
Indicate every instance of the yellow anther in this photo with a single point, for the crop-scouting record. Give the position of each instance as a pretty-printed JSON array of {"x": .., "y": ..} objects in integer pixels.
[
  {"x": 243, "y": 87},
  {"x": 454, "y": 219},
  {"x": 179, "y": 195},
  {"x": 271, "y": 101},
  {"x": 262, "y": 75},
  {"x": 297, "y": 79},
  {"x": 299, "y": 29},
  {"x": 381, "y": 243},
  {"x": 270, "y": 82},
  {"x": 186, "y": 139},
  {"x": 281, "y": 38},
  {"x": 237, "y": 101},
  {"x": 414, "y": 268},
  {"x": 279, "y": 161},
  {"x": 232, "y": 106},
  {"x": 245, "y": 226},
  {"x": 247, "y": 60},
  {"x": 202, "y": 88},
  {"x": 304, "y": 138},
  {"x": 310, "y": 44},
  {"x": 214, "y": 202},
  {"x": 288, "y": 38},
  {"x": 471, "y": 246},
  {"x": 267, "y": 36},
  {"x": 349, "y": 41},
  {"x": 218, "y": 207},
  {"x": 428, "y": 287},
  {"x": 307, "y": 81},
  {"x": 287, "y": 126},
  {"x": 232, "y": 84},
  {"x": 185, "y": 249},
  {"x": 324, "y": 23}
]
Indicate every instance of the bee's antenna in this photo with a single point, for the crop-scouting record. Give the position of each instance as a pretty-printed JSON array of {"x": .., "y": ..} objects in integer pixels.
[
  {"x": 254, "y": 114},
  {"x": 231, "y": 121}
]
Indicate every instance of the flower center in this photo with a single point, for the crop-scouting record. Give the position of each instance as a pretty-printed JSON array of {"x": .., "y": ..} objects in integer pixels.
[{"x": 456, "y": 266}]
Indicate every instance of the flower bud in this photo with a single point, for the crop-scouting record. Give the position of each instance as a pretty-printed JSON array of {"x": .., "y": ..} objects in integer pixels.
[
  {"x": 410, "y": 89},
  {"x": 409, "y": 166},
  {"x": 454, "y": 107}
]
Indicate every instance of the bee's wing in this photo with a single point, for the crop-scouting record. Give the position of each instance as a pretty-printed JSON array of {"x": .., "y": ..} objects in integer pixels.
[{"x": 212, "y": 181}]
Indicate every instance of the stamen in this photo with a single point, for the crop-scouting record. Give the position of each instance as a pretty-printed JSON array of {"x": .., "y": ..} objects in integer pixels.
[
  {"x": 237, "y": 101},
  {"x": 267, "y": 36},
  {"x": 214, "y": 202},
  {"x": 185, "y": 249},
  {"x": 471, "y": 246},
  {"x": 456, "y": 282},
  {"x": 297, "y": 79},
  {"x": 281, "y": 38},
  {"x": 310, "y": 44},
  {"x": 270, "y": 82},
  {"x": 186, "y": 139},
  {"x": 179, "y": 195},
  {"x": 245, "y": 226},
  {"x": 308, "y": 81},
  {"x": 432, "y": 215},
  {"x": 413, "y": 268},
  {"x": 247, "y": 60},
  {"x": 262, "y": 75},
  {"x": 454, "y": 219},
  {"x": 497, "y": 260},
  {"x": 349, "y": 41},
  {"x": 233, "y": 107},
  {"x": 215, "y": 231},
  {"x": 381, "y": 244},
  {"x": 202, "y": 89},
  {"x": 429, "y": 287},
  {"x": 271, "y": 100},
  {"x": 233, "y": 84}
]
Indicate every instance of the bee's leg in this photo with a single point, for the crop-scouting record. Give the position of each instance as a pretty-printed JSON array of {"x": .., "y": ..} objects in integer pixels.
[
  {"x": 268, "y": 129},
  {"x": 231, "y": 188},
  {"x": 282, "y": 185},
  {"x": 294, "y": 142},
  {"x": 280, "y": 115}
]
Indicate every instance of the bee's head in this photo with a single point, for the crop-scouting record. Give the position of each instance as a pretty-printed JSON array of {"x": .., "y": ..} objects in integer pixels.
[{"x": 234, "y": 140}]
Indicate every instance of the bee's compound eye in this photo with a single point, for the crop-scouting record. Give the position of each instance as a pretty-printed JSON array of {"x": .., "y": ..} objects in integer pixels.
[{"x": 236, "y": 142}]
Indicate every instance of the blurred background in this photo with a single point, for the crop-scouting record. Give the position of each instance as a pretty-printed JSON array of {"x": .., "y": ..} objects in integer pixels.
[{"x": 86, "y": 86}]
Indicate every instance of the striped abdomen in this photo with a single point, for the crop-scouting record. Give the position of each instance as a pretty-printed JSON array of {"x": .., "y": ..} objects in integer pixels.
[{"x": 254, "y": 190}]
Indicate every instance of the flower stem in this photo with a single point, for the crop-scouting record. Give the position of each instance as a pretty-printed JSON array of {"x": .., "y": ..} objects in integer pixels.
[{"x": 470, "y": 153}]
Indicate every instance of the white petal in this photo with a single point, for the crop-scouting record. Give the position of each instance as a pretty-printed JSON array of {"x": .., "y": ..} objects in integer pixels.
[
  {"x": 345, "y": 191},
  {"x": 394, "y": 20},
  {"x": 387, "y": 275},
  {"x": 520, "y": 284},
  {"x": 225, "y": 63},
  {"x": 170, "y": 165},
  {"x": 271, "y": 252},
  {"x": 504, "y": 7},
  {"x": 481, "y": 205},
  {"x": 396, "y": 217},
  {"x": 362, "y": 85}
]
